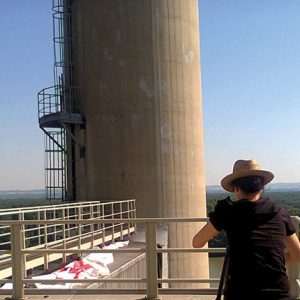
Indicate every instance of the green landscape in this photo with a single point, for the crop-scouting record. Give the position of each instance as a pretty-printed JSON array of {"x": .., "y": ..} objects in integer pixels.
[{"x": 288, "y": 198}]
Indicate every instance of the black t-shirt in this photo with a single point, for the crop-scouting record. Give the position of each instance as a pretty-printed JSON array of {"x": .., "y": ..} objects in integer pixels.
[{"x": 255, "y": 232}]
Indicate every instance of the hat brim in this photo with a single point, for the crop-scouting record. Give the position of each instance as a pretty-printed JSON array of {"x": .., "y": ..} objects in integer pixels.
[{"x": 226, "y": 182}]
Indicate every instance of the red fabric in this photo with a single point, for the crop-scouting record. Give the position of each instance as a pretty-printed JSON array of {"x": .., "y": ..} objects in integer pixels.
[{"x": 77, "y": 268}]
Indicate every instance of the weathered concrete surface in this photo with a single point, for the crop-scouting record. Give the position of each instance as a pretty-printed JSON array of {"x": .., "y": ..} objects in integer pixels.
[{"x": 137, "y": 66}]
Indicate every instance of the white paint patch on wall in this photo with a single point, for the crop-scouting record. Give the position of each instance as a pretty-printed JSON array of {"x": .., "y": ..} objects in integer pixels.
[
  {"x": 118, "y": 35},
  {"x": 189, "y": 57},
  {"x": 165, "y": 131},
  {"x": 192, "y": 187},
  {"x": 162, "y": 84},
  {"x": 122, "y": 63},
  {"x": 107, "y": 54},
  {"x": 135, "y": 121},
  {"x": 147, "y": 90}
]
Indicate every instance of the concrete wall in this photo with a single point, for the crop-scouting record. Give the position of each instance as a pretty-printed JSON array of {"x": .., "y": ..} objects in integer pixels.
[{"x": 137, "y": 65}]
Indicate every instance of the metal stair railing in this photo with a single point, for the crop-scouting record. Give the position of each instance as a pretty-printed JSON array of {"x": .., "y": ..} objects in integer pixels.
[
  {"x": 59, "y": 106},
  {"x": 55, "y": 172}
]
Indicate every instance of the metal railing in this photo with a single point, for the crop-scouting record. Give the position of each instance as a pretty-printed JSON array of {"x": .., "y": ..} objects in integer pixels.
[
  {"x": 151, "y": 280},
  {"x": 57, "y": 99},
  {"x": 37, "y": 233},
  {"x": 152, "y": 291},
  {"x": 60, "y": 109}
]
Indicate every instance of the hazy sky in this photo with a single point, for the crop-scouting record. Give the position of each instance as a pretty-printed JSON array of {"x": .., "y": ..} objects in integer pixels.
[{"x": 250, "y": 60}]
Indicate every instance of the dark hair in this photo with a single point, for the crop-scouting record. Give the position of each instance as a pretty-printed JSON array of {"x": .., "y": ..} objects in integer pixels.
[{"x": 249, "y": 184}]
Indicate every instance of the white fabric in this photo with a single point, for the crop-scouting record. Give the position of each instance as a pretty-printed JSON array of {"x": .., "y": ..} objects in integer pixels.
[
  {"x": 54, "y": 286},
  {"x": 47, "y": 276},
  {"x": 65, "y": 275},
  {"x": 100, "y": 268},
  {"x": 102, "y": 258},
  {"x": 122, "y": 244},
  {"x": 7, "y": 286},
  {"x": 53, "y": 276},
  {"x": 90, "y": 267}
]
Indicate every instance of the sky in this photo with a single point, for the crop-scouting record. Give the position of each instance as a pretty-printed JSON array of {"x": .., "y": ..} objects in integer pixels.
[
  {"x": 250, "y": 61},
  {"x": 250, "y": 69},
  {"x": 26, "y": 66}
]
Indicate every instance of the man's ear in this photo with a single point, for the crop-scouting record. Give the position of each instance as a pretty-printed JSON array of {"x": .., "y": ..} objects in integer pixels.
[{"x": 236, "y": 189}]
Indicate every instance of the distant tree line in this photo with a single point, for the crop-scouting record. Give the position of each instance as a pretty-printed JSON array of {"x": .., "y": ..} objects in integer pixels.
[{"x": 17, "y": 202}]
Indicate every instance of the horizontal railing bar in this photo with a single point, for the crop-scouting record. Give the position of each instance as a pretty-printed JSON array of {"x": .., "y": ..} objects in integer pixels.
[
  {"x": 106, "y": 221},
  {"x": 131, "y": 250},
  {"x": 296, "y": 218},
  {"x": 135, "y": 250},
  {"x": 190, "y": 280},
  {"x": 199, "y": 291},
  {"x": 52, "y": 207},
  {"x": 103, "y": 291},
  {"x": 98, "y": 280},
  {"x": 209, "y": 250},
  {"x": 126, "y": 280},
  {"x": 60, "y": 207},
  {"x": 78, "y": 291}
]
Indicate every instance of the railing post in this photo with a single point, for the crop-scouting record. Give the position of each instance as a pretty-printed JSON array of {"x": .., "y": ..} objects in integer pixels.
[
  {"x": 294, "y": 271},
  {"x": 103, "y": 226},
  {"x": 92, "y": 226},
  {"x": 64, "y": 256},
  {"x": 151, "y": 261},
  {"x": 17, "y": 261},
  {"x": 46, "y": 257},
  {"x": 79, "y": 226},
  {"x": 121, "y": 217},
  {"x": 23, "y": 233},
  {"x": 114, "y": 224}
]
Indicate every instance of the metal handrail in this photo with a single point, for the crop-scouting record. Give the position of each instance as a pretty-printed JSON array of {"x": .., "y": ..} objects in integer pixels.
[
  {"x": 46, "y": 227},
  {"x": 51, "y": 100},
  {"x": 151, "y": 250}
]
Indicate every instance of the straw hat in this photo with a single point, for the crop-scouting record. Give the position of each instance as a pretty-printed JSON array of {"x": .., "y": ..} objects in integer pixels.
[{"x": 244, "y": 168}]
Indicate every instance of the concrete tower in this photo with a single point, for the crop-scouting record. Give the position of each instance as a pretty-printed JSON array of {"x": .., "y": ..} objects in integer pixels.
[{"x": 136, "y": 64}]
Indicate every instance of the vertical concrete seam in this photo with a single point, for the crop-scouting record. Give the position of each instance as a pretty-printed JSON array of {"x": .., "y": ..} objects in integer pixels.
[
  {"x": 185, "y": 201},
  {"x": 161, "y": 193},
  {"x": 174, "y": 240}
]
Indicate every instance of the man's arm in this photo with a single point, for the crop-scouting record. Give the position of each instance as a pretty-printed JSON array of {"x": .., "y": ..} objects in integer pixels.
[
  {"x": 207, "y": 232},
  {"x": 293, "y": 249}
]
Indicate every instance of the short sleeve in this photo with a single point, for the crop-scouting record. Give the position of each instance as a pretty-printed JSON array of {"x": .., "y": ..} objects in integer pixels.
[
  {"x": 289, "y": 226},
  {"x": 217, "y": 217}
]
